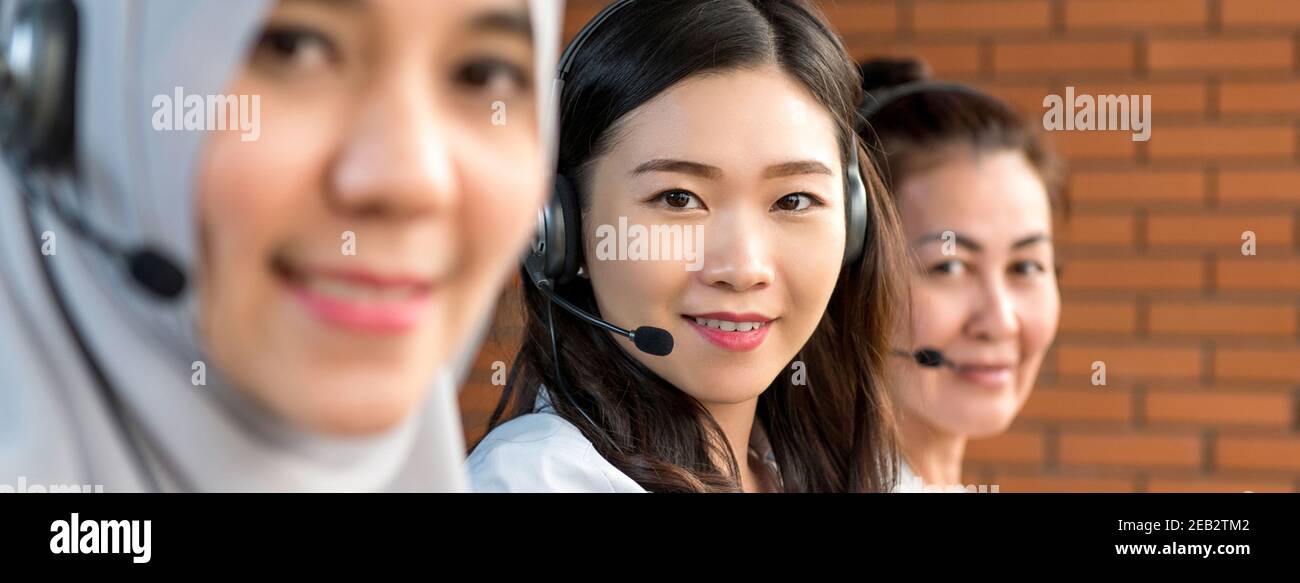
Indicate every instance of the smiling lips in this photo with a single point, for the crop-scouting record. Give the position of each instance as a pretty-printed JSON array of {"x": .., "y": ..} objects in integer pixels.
[
  {"x": 991, "y": 375},
  {"x": 730, "y": 331},
  {"x": 357, "y": 299}
]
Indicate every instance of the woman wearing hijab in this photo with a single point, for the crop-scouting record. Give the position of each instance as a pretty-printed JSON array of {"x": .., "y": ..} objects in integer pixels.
[{"x": 281, "y": 304}]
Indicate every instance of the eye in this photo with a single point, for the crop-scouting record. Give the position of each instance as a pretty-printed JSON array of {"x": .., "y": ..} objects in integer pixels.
[
  {"x": 1027, "y": 268},
  {"x": 679, "y": 199},
  {"x": 796, "y": 202},
  {"x": 493, "y": 75},
  {"x": 289, "y": 49},
  {"x": 950, "y": 267}
]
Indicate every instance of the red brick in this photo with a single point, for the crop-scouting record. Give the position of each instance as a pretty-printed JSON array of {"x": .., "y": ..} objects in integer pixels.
[
  {"x": 1258, "y": 274},
  {"x": 945, "y": 59},
  {"x": 1094, "y": 404},
  {"x": 930, "y": 16},
  {"x": 1259, "y": 453},
  {"x": 1092, "y": 230},
  {"x": 1166, "y": 98},
  {"x": 1217, "y": 409},
  {"x": 1131, "y": 450},
  {"x": 1125, "y": 363},
  {"x": 1259, "y": 97},
  {"x": 1012, "y": 447},
  {"x": 1126, "y": 14},
  {"x": 1260, "y": 12},
  {"x": 1259, "y": 186},
  {"x": 1098, "y": 317},
  {"x": 1132, "y": 274},
  {"x": 848, "y": 18},
  {"x": 1258, "y": 364},
  {"x": 1056, "y": 57},
  {"x": 1219, "y": 54},
  {"x": 1219, "y": 230},
  {"x": 1138, "y": 187},
  {"x": 1221, "y": 142},
  {"x": 1215, "y": 485},
  {"x": 1229, "y": 319}
]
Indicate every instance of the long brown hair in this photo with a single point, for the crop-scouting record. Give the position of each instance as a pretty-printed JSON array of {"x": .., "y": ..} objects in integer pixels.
[{"x": 834, "y": 434}]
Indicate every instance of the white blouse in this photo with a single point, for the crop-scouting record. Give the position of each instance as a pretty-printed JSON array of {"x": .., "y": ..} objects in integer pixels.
[{"x": 543, "y": 452}]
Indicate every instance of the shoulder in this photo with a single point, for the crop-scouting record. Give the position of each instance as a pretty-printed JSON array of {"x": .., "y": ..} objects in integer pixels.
[{"x": 542, "y": 452}]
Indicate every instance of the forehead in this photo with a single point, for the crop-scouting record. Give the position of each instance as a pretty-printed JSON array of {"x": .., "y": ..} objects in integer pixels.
[
  {"x": 743, "y": 118},
  {"x": 993, "y": 198},
  {"x": 428, "y": 19}
]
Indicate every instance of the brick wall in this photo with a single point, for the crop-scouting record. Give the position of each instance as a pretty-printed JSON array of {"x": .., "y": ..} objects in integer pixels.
[{"x": 1201, "y": 344}]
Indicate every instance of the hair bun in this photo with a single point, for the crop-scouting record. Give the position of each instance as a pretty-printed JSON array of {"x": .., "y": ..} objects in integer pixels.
[{"x": 883, "y": 73}]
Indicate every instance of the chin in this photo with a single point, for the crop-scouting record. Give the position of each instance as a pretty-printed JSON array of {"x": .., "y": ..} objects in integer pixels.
[
  {"x": 347, "y": 406},
  {"x": 987, "y": 424},
  {"x": 726, "y": 390}
]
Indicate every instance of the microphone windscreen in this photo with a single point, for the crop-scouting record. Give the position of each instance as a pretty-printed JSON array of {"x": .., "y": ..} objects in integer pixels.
[
  {"x": 654, "y": 341},
  {"x": 929, "y": 357},
  {"x": 156, "y": 273}
]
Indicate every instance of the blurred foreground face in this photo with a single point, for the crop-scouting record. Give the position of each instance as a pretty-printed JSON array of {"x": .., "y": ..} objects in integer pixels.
[
  {"x": 988, "y": 298},
  {"x": 349, "y": 251}
]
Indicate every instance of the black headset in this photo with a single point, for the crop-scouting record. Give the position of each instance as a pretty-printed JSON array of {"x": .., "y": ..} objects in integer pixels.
[
  {"x": 556, "y": 252},
  {"x": 37, "y": 80},
  {"x": 38, "y": 72}
]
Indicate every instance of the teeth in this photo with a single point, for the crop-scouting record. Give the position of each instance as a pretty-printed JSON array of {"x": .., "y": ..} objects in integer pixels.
[
  {"x": 728, "y": 326},
  {"x": 355, "y": 293}
]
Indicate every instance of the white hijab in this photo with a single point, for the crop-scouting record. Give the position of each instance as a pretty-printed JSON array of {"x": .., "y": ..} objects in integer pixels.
[{"x": 57, "y": 423}]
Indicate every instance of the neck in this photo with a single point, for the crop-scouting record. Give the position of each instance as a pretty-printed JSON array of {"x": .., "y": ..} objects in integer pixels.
[
  {"x": 737, "y": 422},
  {"x": 935, "y": 455}
]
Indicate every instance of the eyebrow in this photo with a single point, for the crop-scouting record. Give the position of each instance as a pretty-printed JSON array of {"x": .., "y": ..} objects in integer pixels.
[
  {"x": 975, "y": 247},
  {"x": 505, "y": 20},
  {"x": 514, "y": 22},
  {"x": 796, "y": 168}
]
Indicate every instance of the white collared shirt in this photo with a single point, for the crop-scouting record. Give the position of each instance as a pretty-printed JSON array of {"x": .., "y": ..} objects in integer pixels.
[{"x": 543, "y": 452}]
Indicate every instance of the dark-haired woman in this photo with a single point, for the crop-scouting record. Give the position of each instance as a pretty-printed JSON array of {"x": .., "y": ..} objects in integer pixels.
[
  {"x": 975, "y": 187},
  {"x": 735, "y": 116}
]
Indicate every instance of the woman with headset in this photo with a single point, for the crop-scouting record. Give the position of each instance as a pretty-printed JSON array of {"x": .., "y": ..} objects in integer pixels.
[
  {"x": 282, "y": 306},
  {"x": 975, "y": 186},
  {"x": 756, "y": 365}
]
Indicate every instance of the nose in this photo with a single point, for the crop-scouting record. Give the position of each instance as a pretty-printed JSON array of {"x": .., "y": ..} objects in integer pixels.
[
  {"x": 737, "y": 256},
  {"x": 396, "y": 160},
  {"x": 995, "y": 316}
]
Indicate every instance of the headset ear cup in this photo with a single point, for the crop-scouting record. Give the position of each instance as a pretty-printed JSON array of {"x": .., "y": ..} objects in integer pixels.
[
  {"x": 40, "y": 93},
  {"x": 568, "y": 245},
  {"x": 855, "y": 209}
]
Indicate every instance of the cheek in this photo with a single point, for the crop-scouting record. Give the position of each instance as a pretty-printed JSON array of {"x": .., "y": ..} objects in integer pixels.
[
  {"x": 937, "y": 313},
  {"x": 504, "y": 185},
  {"x": 1039, "y": 319},
  {"x": 638, "y": 293},
  {"x": 810, "y": 265},
  {"x": 251, "y": 195}
]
